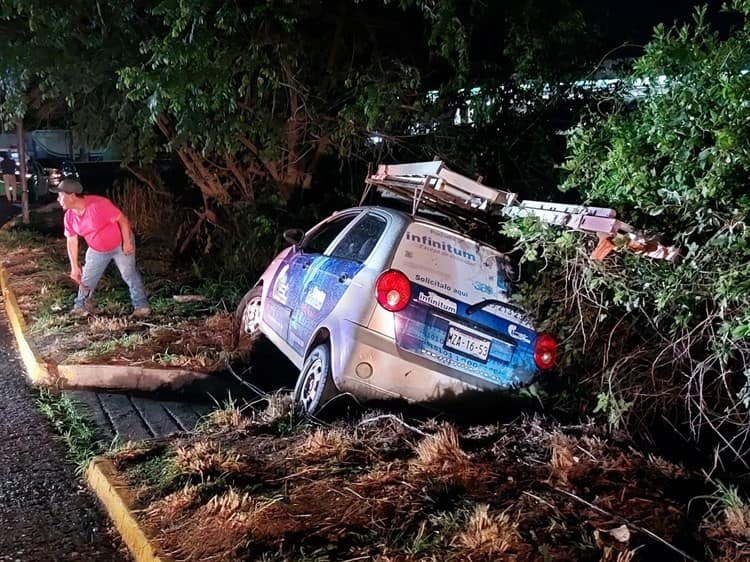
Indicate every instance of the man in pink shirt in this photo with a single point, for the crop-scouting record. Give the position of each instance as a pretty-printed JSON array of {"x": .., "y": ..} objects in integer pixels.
[{"x": 108, "y": 235}]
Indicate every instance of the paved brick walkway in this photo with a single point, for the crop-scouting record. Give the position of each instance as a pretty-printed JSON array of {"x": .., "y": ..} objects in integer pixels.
[{"x": 130, "y": 418}]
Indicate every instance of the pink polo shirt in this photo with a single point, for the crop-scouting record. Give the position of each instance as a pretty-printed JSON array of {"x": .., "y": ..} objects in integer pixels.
[{"x": 97, "y": 224}]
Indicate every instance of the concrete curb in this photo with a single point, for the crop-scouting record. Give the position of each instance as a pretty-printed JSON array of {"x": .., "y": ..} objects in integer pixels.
[
  {"x": 118, "y": 501},
  {"x": 127, "y": 377},
  {"x": 35, "y": 367}
]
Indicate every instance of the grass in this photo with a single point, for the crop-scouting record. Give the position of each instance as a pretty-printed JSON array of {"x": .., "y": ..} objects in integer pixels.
[
  {"x": 105, "y": 348},
  {"x": 21, "y": 238},
  {"x": 159, "y": 471},
  {"x": 78, "y": 432},
  {"x": 229, "y": 415},
  {"x": 728, "y": 511},
  {"x": 191, "y": 335}
]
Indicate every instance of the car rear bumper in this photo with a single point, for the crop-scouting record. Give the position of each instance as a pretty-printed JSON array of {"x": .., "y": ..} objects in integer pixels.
[{"x": 375, "y": 367}]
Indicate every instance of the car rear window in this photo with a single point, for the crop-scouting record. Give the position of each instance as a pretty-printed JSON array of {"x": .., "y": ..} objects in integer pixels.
[{"x": 451, "y": 264}]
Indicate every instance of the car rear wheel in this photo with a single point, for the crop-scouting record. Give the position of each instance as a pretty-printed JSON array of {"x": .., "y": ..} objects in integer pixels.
[
  {"x": 248, "y": 315},
  {"x": 315, "y": 384}
]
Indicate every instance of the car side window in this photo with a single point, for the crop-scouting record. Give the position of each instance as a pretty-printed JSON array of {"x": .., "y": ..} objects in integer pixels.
[
  {"x": 317, "y": 242},
  {"x": 358, "y": 243}
]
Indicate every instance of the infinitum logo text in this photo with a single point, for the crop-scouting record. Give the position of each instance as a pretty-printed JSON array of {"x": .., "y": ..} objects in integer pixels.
[
  {"x": 438, "y": 302},
  {"x": 446, "y": 247}
]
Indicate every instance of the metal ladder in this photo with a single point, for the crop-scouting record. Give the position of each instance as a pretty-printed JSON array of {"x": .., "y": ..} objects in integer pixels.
[{"x": 433, "y": 185}]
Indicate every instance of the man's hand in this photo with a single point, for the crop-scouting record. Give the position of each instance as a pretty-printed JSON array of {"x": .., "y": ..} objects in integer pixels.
[
  {"x": 75, "y": 274},
  {"x": 127, "y": 247}
]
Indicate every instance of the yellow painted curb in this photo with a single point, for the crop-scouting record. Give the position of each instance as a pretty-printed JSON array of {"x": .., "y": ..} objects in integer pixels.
[
  {"x": 35, "y": 367},
  {"x": 118, "y": 501}
]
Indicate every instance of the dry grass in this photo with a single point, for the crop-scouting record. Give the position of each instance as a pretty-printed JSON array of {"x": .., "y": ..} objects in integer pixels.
[
  {"x": 610, "y": 554},
  {"x": 563, "y": 456},
  {"x": 727, "y": 524},
  {"x": 171, "y": 509},
  {"x": 218, "y": 529},
  {"x": 108, "y": 324},
  {"x": 375, "y": 491},
  {"x": 665, "y": 467},
  {"x": 737, "y": 519},
  {"x": 230, "y": 417},
  {"x": 441, "y": 453},
  {"x": 151, "y": 212},
  {"x": 487, "y": 536},
  {"x": 233, "y": 417},
  {"x": 280, "y": 406},
  {"x": 326, "y": 444},
  {"x": 133, "y": 451},
  {"x": 208, "y": 458}
]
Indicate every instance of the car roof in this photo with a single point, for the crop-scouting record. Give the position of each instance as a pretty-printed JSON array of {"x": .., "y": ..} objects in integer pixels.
[{"x": 428, "y": 218}]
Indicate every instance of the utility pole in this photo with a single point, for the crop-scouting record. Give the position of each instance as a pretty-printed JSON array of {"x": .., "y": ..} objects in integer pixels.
[{"x": 22, "y": 167}]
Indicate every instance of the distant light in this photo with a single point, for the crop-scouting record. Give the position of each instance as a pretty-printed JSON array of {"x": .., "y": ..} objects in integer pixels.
[{"x": 375, "y": 139}]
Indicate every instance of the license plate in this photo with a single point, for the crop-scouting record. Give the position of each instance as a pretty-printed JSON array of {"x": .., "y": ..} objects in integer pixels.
[{"x": 468, "y": 344}]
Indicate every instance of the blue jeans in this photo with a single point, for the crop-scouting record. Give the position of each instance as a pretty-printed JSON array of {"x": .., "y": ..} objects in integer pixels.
[{"x": 93, "y": 269}]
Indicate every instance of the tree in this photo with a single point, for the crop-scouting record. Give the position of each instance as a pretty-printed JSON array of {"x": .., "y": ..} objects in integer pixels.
[{"x": 262, "y": 94}]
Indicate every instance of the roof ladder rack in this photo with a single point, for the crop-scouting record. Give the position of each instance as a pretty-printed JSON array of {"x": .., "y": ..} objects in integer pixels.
[{"x": 434, "y": 186}]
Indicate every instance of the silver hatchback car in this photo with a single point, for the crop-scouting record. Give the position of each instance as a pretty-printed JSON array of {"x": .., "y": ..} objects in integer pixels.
[{"x": 382, "y": 304}]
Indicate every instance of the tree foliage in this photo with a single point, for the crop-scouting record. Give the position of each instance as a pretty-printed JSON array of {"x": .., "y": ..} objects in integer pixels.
[
  {"x": 261, "y": 91},
  {"x": 666, "y": 341}
]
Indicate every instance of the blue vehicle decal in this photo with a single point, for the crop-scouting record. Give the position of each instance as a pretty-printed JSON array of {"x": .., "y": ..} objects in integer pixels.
[
  {"x": 319, "y": 287},
  {"x": 422, "y": 328},
  {"x": 483, "y": 288}
]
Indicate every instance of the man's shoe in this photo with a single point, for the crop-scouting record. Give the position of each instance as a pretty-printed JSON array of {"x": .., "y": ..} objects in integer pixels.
[
  {"x": 79, "y": 312},
  {"x": 142, "y": 312}
]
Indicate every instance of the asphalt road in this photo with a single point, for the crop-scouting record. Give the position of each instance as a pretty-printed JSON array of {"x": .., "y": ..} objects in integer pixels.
[{"x": 46, "y": 512}]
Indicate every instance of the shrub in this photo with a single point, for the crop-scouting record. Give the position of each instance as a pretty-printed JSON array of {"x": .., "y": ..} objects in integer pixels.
[{"x": 653, "y": 340}]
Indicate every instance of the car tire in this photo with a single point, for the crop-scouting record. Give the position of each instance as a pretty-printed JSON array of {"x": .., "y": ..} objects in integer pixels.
[
  {"x": 315, "y": 386},
  {"x": 247, "y": 317}
]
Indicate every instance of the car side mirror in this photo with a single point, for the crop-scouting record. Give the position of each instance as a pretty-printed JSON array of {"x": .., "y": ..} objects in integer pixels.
[{"x": 294, "y": 236}]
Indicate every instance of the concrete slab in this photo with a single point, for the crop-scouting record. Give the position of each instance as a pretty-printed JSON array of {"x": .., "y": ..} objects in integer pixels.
[
  {"x": 185, "y": 417},
  {"x": 128, "y": 377}
]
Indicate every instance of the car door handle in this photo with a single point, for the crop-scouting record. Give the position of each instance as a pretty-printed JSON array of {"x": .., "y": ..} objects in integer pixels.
[{"x": 343, "y": 278}]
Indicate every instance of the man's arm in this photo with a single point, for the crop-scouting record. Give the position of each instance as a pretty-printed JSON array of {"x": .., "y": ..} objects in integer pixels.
[
  {"x": 127, "y": 234},
  {"x": 75, "y": 269}
]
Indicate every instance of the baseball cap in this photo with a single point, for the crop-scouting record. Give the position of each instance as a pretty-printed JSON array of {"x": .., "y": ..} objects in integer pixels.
[{"x": 67, "y": 186}]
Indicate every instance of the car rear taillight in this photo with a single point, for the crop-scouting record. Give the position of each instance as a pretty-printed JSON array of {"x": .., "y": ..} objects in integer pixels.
[
  {"x": 545, "y": 351},
  {"x": 393, "y": 290}
]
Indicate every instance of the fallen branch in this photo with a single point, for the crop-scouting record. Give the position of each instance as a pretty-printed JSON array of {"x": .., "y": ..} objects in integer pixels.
[{"x": 396, "y": 419}]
